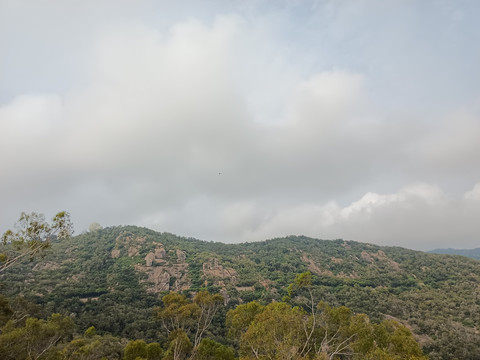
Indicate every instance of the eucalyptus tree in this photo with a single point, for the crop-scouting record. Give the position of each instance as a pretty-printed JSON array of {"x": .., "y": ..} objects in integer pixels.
[{"x": 32, "y": 236}]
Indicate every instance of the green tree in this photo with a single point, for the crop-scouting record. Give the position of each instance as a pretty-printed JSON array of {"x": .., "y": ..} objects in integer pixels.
[
  {"x": 134, "y": 349},
  {"x": 182, "y": 316},
  {"x": 36, "y": 340},
  {"x": 91, "y": 346},
  {"x": 154, "y": 351},
  {"x": 239, "y": 319},
  {"x": 208, "y": 305},
  {"x": 179, "y": 347},
  {"x": 5, "y": 310},
  {"x": 211, "y": 350},
  {"x": 287, "y": 332},
  {"x": 33, "y": 235},
  {"x": 301, "y": 285},
  {"x": 276, "y": 333},
  {"x": 177, "y": 313}
]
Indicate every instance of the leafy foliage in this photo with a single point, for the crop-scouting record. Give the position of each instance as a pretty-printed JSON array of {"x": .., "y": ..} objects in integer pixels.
[
  {"x": 32, "y": 237},
  {"x": 37, "y": 339},
  {"x": 282, "y": 331}
]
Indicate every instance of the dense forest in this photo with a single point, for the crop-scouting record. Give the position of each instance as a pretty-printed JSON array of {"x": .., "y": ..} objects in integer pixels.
[{"x": 129, "y": 292}]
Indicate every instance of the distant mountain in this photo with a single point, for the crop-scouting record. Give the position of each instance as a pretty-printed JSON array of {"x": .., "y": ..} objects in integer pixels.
[
  {"x": 471, "y": 253},
  {"x": 113, "y": 278}
]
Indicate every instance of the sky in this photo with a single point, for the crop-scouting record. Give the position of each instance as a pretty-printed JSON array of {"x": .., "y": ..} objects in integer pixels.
[{"x": 233, "y": 121}]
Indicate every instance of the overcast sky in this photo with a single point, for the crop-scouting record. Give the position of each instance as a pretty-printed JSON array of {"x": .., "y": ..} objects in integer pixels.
[{"x": 236, "y": 120}]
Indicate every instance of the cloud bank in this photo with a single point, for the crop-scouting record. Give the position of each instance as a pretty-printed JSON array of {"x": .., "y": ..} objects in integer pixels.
[{"x": 247, "y": 123}]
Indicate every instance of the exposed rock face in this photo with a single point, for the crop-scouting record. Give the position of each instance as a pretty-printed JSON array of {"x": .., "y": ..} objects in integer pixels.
[
  {"x": 245, "y": 288},
  {"x": 49, "y": 265},
  {"x": 160, "y": 273},
  {"x": 181, "y": 256},
  {"x": 353, "y": 275},
  {"x": 160, "y": 253},
  {"x": 149, "y": 259},
  {"x": 155, "y": 257},
  {"x": 226, "y": 298},
  {"x": 126, "y": 239},
  {"x": 213, "y": 269},
  {"x": 366, "y": 256},
  {"x": 313, "y": 267},
  {"x": 336, "y": 260},
  {"x": 160, "y": 277},
  {"x": 160, "y": 280},
  {"x": 133, "y": 251},
  {"x": 77, "y": 277},
  {"x": 380, "y": 255},
  {"x": 266, "y": 283},
  {"x": 71, "y": 249},
  {"x": 84, "y": 300}
]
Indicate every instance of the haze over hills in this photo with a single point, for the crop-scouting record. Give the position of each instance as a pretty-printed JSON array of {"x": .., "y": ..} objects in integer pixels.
[
  {"x": 113, "y": 278},
  {"x": 471, "y": 253}
]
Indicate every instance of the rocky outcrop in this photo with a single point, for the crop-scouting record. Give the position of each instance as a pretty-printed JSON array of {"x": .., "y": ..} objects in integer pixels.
[
  {"x": 162, "y": 275},
  {"x": 77, "y": 277},
  {"x": 366, "y": 256},
  {"x": 49, "y": 265},
  {"x": 133, "y": 251},
  {"x": 149, "y": 259},
  {"x": 313, "y": 267},
  {"x": 160, "y": 280},
  {"x": 166, "y": 277},
  {"x": 181, "y": 256},
  {"x": 266, "y": 283},
  {"x": 245, "y": 288},
  {"x": 156, "y": 257},
  {"x": 214, "y": 270},
  {"x": 160, "y": 252},
  {"x": 336, "y": 260},
  {"x": 226, "y": 298},
  {"x": 381, "y": 256},
  {"x": 127, "y": 239},
  {"x": 126, "y": 242}
]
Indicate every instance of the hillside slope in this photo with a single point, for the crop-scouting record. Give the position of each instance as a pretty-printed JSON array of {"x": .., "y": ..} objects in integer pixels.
[{"x": 113, "y": 278}]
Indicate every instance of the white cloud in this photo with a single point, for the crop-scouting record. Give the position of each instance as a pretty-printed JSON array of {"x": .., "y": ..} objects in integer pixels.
[
  {"x": 419, "y": 216},
  {"x": 256, "y": 122},
  {"x": 473, "y": 194}
]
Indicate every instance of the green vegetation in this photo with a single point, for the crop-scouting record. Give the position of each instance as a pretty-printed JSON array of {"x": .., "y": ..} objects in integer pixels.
[
  {"x": 136, "y": 286},
  {"x": 32, "y": 237},
  {"x": 275, "y": 331}
]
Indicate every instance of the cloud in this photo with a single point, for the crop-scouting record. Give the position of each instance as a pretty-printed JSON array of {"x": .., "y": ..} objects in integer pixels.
[
  {"x": 241, "y": 124},
  {"x": 419, "y": 216}
]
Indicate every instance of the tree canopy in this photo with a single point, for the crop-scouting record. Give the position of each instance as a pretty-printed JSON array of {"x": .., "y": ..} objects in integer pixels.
[{"x": 32, "y": 236}]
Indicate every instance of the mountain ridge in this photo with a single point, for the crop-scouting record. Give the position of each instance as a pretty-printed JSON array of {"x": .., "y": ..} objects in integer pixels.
[
  {"x": 470, "y": 253},
  {"x": 112, "y": 278}
]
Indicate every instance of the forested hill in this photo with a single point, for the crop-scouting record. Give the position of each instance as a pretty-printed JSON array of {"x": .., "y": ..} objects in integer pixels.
[{"x": 113, "y": 278}]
